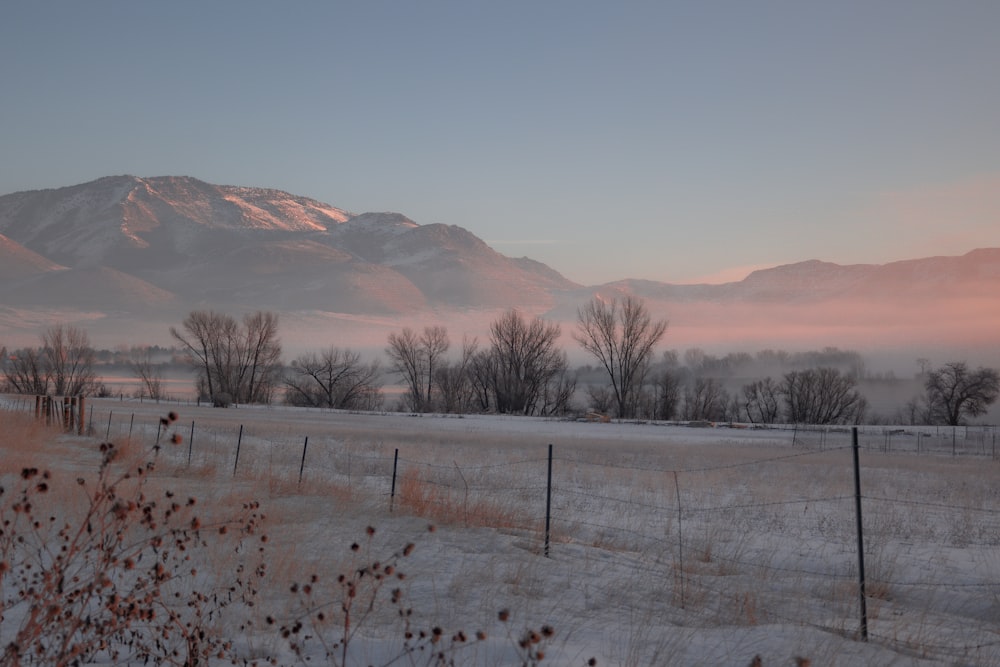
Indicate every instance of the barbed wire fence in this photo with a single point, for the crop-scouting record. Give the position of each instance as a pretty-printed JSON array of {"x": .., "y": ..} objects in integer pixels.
[{"x": 773, "y": 534}]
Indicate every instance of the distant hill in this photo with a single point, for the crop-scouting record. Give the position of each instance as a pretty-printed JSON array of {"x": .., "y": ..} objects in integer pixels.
[{"x": 128, "y": 256}]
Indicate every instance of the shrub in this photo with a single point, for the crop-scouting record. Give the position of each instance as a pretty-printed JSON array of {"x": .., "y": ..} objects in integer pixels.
[{"x": 116, "y": 573}]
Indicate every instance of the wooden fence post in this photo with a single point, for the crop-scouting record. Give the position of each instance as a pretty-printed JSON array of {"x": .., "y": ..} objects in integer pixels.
[{"x": 81, "y": 414}]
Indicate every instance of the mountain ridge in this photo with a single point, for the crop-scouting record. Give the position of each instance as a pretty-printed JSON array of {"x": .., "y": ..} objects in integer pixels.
[{"x": 156, "y": 248}]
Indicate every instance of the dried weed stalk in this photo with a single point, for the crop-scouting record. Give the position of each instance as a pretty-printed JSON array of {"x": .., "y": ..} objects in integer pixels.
[
  {"x": 119, "y": 576},
  {"x": 331, "y": 614}
]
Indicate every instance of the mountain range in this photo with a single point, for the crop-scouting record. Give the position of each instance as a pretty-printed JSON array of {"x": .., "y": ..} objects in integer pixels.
[{"x": 126, "y": 257}]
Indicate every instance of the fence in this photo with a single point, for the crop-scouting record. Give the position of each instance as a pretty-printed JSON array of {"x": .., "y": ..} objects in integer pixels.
[{"x": 894, "y": 538}]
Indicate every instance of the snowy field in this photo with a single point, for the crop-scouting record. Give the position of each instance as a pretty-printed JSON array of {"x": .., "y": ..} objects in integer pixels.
[{"x": 666, "y": 544}]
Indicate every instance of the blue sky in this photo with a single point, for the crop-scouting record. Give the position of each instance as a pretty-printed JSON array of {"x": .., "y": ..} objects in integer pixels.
[{"x": 674, "y": 141}]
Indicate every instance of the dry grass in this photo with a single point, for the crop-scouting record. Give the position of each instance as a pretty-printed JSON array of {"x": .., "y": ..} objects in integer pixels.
[
  {"x": 109, "y": 565},
  {"x": 754, "y": 556},
  {"x": 22, "y": 438},
  {"x": 416, "y": 495}
]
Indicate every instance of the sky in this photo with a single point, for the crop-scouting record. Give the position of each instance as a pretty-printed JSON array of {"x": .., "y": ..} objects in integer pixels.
[{"x": 673, "y": 141}]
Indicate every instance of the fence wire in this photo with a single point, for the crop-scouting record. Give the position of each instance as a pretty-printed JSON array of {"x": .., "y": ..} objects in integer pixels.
[{"x": 747, "y": 541}]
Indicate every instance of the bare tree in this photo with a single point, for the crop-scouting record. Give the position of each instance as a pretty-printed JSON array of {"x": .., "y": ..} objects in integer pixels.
[
  {"x": 259, "y": 358},
  {"x": 521, "y": 362},
  {"x": 62, "y": 365},
  {"x": 557, "y": 394},
  {"x": 483, "y": 369},
  {"x": 955, "y": 392},
  {"x": 199, "y": 341},
  {"x": 601, "y": 398},
  {"x": 234, "y": 363},
  {"x": 621, "y": 335},
  {"x": 225, "y": 361},
  {"x": 762, "y": 401},
  {"x": 435, "y": 344},
  {"x": 915, "y": 411},
  {"x": 333, "y": 378},
  {"x": 822, "y": 396},
  {"x": 667, "y": 395},
  {"x": 25, "y": 372},
  {"x": 150, "y": 375},
  {"x": 415, "y": 359},
  {"x": 454, "y": 380},
  {"x": 706, "y": 399},
  {"x": 69, "y": 360}
]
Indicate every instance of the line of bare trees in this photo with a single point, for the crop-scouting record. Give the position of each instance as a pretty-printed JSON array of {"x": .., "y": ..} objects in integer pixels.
[
  {"x": 519, "y": 369},
  {"x": 812, "y": 396}
]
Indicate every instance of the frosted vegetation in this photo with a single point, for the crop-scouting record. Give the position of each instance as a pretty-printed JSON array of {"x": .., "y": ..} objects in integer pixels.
[
  {"x": 495, "y": 506},
  {"x": 522, "y": 368},
  {"x": 220, "y": 536}
]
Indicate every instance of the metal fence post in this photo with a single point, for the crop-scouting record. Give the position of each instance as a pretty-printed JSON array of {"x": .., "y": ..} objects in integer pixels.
[
  {"x": 239, "y": 441},
  {"x": 302, "y": 466},
  {"x": 861, "y": 539},
  {"x": 392, "y": 491},
  {"x": 680, "y": 538},
  {"x": 548, "y": 505}
]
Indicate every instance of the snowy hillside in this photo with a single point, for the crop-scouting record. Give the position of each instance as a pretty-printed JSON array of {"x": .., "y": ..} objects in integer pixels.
[{"x": 132, "y": 255}]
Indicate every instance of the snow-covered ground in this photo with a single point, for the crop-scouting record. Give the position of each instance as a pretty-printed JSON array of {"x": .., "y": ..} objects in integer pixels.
[{"x": 667, "y": 544}]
